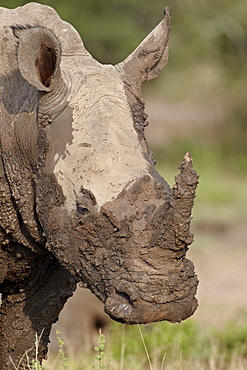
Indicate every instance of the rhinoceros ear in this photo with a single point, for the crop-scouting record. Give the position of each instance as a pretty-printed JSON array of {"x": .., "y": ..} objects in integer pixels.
[
  {"x": 38, "y": 56},
  {"x": 147, "y": 60}
]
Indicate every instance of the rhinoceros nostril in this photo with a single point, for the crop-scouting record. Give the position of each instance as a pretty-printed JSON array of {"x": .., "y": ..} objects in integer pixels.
[
  {"x": 125, "y": 296},
  {"x": 119, "y": 307}
]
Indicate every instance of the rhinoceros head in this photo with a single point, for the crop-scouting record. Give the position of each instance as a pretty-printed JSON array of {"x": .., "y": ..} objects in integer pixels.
[{"x": 81, "y": 177}]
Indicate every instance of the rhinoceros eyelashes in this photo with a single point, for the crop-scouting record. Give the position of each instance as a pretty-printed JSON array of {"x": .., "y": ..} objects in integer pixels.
[{"x": 38, "y": 56}]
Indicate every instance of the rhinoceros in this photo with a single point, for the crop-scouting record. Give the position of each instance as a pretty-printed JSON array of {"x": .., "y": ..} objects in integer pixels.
[{"x": 81, "y": 200}]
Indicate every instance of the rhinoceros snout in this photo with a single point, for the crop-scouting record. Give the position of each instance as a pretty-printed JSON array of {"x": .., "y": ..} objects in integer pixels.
[
  {"x": 131, "y": 250},
  {"x": 161, "y": 306},
  {"x": 155, "y": 281}
]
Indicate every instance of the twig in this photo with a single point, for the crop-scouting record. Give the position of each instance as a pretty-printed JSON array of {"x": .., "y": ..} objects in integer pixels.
[{"x": 145, "y": 347}]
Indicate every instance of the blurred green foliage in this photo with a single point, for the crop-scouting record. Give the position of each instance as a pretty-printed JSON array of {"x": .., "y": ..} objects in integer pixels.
[{"x": 180, "y": 342}]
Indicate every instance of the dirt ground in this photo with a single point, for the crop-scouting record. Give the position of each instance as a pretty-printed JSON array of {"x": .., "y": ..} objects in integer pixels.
[{"x": 220, "y": 259}]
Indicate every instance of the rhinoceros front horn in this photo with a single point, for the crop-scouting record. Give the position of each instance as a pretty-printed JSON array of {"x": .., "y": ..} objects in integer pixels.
[{"x": 38, "y": 56}]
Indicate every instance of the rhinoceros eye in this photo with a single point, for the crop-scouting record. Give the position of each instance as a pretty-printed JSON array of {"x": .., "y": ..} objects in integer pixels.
[{"x": 81, "y": 210}]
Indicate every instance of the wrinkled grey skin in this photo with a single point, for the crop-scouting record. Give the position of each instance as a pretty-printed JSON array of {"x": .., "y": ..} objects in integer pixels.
[{"x": 80, "y": 197}]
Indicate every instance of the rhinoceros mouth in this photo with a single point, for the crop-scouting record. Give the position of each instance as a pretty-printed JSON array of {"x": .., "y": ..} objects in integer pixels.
[
  {"x": 120, "y": 308},
  {"x": 148, "y": 297}
]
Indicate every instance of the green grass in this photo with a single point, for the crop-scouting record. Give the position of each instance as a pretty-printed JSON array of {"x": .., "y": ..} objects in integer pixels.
[{"x": 188, "y": 345}]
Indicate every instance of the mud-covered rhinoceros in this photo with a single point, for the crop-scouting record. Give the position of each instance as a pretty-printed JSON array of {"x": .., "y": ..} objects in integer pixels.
[{"x": 79, "y": 195}]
